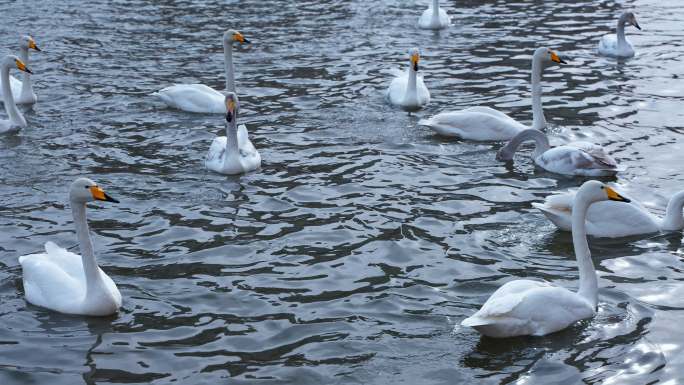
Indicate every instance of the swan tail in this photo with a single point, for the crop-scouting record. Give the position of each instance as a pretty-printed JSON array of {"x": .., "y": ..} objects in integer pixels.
[{"x": 474, "y": 321}]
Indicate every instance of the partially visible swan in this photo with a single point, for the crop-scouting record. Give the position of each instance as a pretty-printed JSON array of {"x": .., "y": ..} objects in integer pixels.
[
  {"x": 66, "y": 282},
  {"x": 233, "y": 153},
  {"x": 23, "y": 90},
  {"x": 525, "y": 307},
  {"x": 434, "y": 17},
  {"x": 575, "y": 158},
  {"x": 407, "y": 90},
  {"x": 617, "y": 45},
  {"x": 201, "y": 98},
  {"x": 16, "y": 119},
  {"x": 484, "y": 123},
  {"x": 613, "y": 220}
]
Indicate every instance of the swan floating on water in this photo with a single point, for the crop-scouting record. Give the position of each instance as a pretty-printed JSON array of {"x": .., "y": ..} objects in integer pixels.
[
  {"x": 68, "y": 283},
  {"x": 234, "y": 153},
  {"x": 16, "y": 119},
  {"x": 617, "y": 45},
  {"x": 198, "y": 97},
  {"x": 575, "y": 158},
  {"x": 614, "y": 220},
  {"x": 407, "y": 90},
  {"x": 537, "y": 308},
  {"x": 487, "y": 124},
  {"x": 23, "y": 90},
  {"x": 434, "y": 17}
]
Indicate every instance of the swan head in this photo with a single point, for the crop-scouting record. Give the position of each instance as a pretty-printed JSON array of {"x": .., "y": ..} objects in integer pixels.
[
  {"x": 595, "y": 191},
  {"x": 27, "y": 42},
  {"x": 414, "y": 55},
  {"x": 232, "y": 107},
  {"x": 547, "y": 55},
  {"x": 631, "y": 19},
  {"x": 231, "y": 36},
  {"x": 84, "y": 190},
  {"x": 13, "y": 61}
]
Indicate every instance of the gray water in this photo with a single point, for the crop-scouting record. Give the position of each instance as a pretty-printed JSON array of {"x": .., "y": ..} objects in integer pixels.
[{"x": 354, "y": 253}]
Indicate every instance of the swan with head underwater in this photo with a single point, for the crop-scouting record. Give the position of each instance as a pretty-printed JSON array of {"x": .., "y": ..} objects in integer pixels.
[
  {"x": 22, "y": 90},
  {"x": 234, "y": 153},
  {"x": 617, "y": 45},
  {"x": 434, "y": 17},
  {"x": 487, "y": 124},
  {"x": 407, "y": 90},
  {"x": 613, "y": 220},
  {"x": 199, "y": 97},
  {"x": 68, "y": 283},
  {"x": 537, "y": 308},
  {"x": 16, "y": 120}
]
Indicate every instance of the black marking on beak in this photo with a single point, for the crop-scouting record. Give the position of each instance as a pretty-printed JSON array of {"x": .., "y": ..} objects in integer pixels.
[
  {"x": 637, "y": 25},
  {"x": 245, "y": 41},
  {"x": 26, "y": 69},
  {"x": 560, "y": 60},
  {"x": 229, "y": 116},
  {"x": 35, "y": 47},
  {"x": 415, "y": 66},
  {"x": 109, "y": 199}
]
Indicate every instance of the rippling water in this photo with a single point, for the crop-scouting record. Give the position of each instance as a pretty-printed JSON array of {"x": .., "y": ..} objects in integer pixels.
[{"x": 354, "y": 254}]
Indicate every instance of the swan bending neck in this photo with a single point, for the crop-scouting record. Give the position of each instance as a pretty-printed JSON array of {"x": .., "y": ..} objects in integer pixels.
[
  {"x": 588, "y": 285},
  {"x": 541, "y": 143}
]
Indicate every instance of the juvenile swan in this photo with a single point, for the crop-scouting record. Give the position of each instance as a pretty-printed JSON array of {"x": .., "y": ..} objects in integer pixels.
[{"x": 617, "y": 45}]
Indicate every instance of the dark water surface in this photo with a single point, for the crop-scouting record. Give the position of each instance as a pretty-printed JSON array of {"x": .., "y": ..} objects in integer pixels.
[{"x": 355, "y": 252}]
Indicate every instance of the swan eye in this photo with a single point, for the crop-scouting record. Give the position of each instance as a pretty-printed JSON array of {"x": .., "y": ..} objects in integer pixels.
[{"x": 603, "y": 187}]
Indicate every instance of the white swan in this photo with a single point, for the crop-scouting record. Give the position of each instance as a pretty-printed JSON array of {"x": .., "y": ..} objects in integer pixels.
[
  {"x": 434, "y": 17},
  {"x": 407, "y": 90},
  {"x": 617, "y": 45},
  {"x": 234, "y": 153},
  {"x": 201, "y": 98},
  {"x": 575, "y": 158},
  {"x": 16, "y": 119},
  {"x": 613, "y": 220},
  {"x": 484, "y": 123},
  {"x": 23, "y": 90},
  {"x": 537, "y": 308},
  {"x": 68, "y": 283}
]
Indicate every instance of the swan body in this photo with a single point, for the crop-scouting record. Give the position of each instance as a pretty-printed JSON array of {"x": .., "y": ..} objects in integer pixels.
[
  {"x": 617, "y": 45},
  {"x": 434, "y": 17},
  {"x": 614, "y": 220},
  {"x": 525, "y": 307},
  {"x": 198, "y": 97},
  {"x": 16, "y": 120},
  {"x": 407, "y": 90},
  {"x": 234, "y": 153},
  {"x": 68, "y": 283},
  {"x": 487, "y": 124},
  {"x": 23, "y": 90},
  {"x": 576, "y": 158}
]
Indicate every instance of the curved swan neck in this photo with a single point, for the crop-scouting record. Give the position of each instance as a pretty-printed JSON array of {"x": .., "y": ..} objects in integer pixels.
[
  {"x": 92, "y": 272},
  {"x": 26, "y": 86},
  {"x": 674, "y": 220},
  {"x": 15, "y": 116},
  {"x": 228, "y": 62},
  {"x": 435, "y": 12},
  {"x": 538, "y": 119},
  {"x": 621, "y": 30},
  {"x": 541, "y": 144},
  {"x": 588, "y": 285}
]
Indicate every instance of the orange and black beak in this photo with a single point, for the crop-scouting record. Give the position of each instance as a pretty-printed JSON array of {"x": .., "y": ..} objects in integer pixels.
[
  {"x": 21, "y": 66},
  {"x": 32, "y": 45},
  {"x": 614, "y": 196},
  {"x": 230, "y": 110},
  {"x": 556, "y": 58},
  {"x": 240, "y": 38},
  {"x": 100, "y": 195},
  {"x": 415, "y": 58}
]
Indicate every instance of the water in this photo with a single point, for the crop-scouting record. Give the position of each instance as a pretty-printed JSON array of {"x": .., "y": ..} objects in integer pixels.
[{"x": 354, "y": 254}]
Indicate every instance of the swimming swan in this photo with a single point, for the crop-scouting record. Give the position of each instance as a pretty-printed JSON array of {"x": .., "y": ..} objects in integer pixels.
[
  {"x": 68, "y": 283},
  {"x": 575, "y": 158},
  {"x": 16, "y": 119},
  {"x": 614, "y": 220},
  {"x": 198, "y": 97},
  {"x": 234, "y": 153},
  {"x": 617, "y": 45},
  {"x": 407, "y": 90},
  {"x": 525, "y": 307},
  {"x": 434, "y": 17},
  {"x": 484, "y": 123},
  {"x": 23, "y": 90}
]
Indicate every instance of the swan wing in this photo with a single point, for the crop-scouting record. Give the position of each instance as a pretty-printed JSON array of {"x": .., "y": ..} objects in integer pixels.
[
  {"x": 425, "y": 20},
  {"x": 193, "y": 98},
  {"x": 475, "y": 123},
  {"x": 423, "y": 92},
  {"x": 397, "y": 89},
  {"x": 217, "y": 150},
  {"x": 608, "y": 44},
  {"x": 15, "y": 86}
]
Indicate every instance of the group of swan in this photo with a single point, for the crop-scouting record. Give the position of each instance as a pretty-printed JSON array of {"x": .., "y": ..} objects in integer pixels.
[{"x": 15, "y": 91}]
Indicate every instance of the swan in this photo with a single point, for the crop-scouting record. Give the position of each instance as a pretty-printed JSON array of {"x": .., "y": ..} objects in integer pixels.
[
  {"x": 524, "y": 307},
  {"x": 407, "y": 90},
  {"x": 575, "y": 158},
  {"x": 613, "y": 220},
  {"x": 434, "y": 17},
  {"x": 201, "y": 98},
  {"x": 16, "y": 119},
  {"x": 66, "y": 282},
  {"x": 618, "y": 45},
  {"x": 484, "y": 123},
  {"x": 234, "y": 153},
  {"x": 23, "y": 90}
]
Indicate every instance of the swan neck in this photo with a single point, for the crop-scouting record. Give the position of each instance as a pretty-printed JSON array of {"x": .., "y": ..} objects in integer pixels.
[
  {"x": 621, "y": 30},
  {"x": 541, "y": 143},
  {"x": 588, "y": 285},
  {"x": 538, "y": 119},
  {"x": 26, "y": 86},
  {"x": 435, "y": 11},
  {"x": 674, "y": 220},
  {"x": 92, "y": 271},
  {"x": 15, "y": 116},
  {"x": 231, "y": 139},
  {"x": 228, "y": 62},
  {"x": 411, "y": 89}
]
